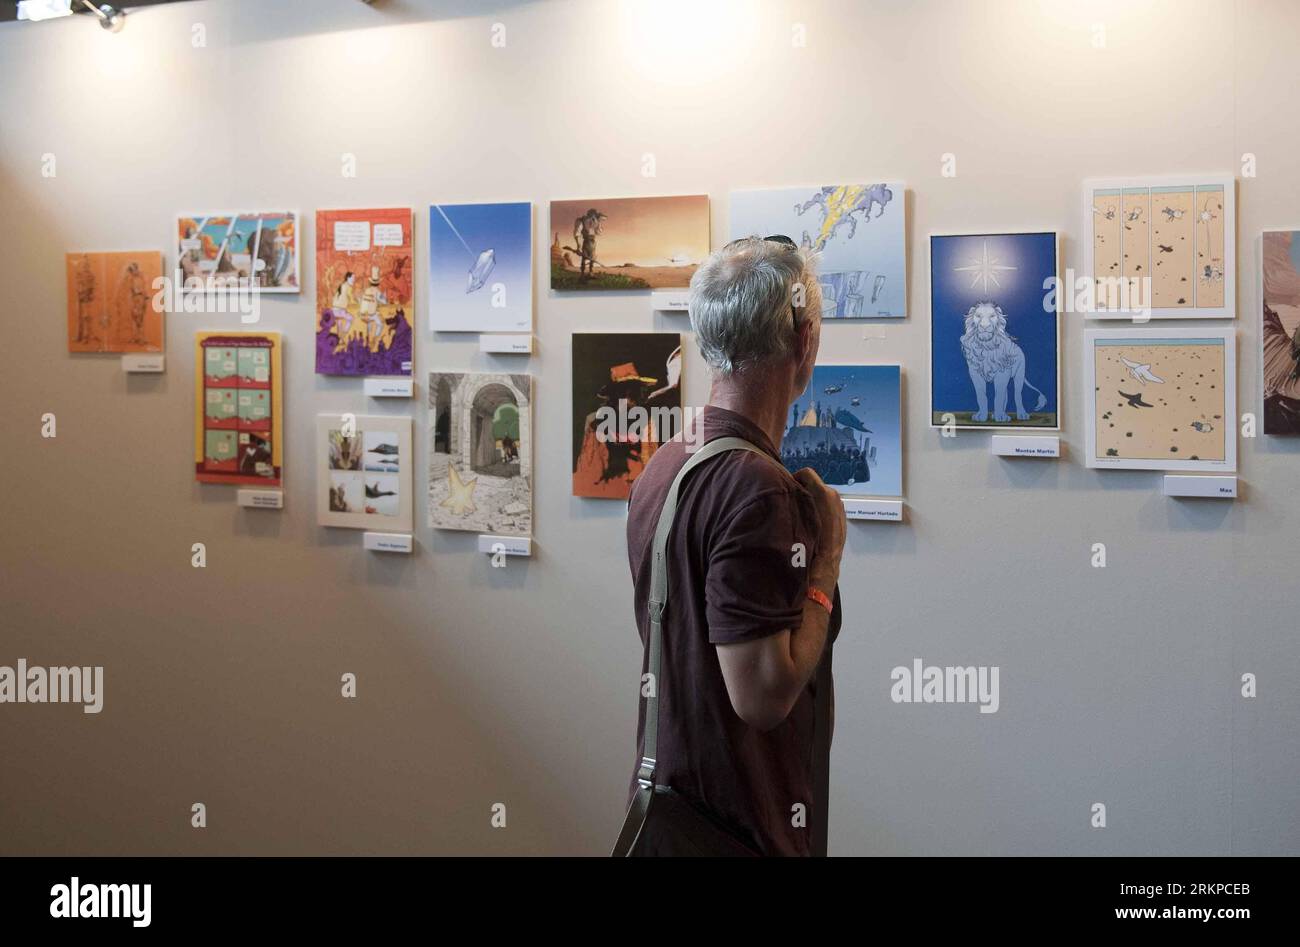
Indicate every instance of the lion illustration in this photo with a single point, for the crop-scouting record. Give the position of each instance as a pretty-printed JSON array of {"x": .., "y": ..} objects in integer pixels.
[{"x": 992, "y": 355}]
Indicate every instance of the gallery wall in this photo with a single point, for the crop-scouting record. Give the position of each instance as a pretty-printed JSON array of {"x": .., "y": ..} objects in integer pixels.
[{"x": 518, "y": 686}]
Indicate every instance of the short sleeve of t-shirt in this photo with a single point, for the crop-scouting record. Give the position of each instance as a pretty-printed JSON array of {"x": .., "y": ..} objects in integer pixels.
[{"x": 757, "y": 579}]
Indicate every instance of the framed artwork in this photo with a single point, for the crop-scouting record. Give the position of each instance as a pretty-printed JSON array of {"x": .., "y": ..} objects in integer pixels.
[
  {"x": 247, "y": 250},
  {"x": 1161, "y": 399},
  {"x": 481, "y": 267},
  {"x": 627, "y": 400},
  {"x": 1167, "y": 244},
  {"x": 847, "y": 426},
  {"x": 111, "y": 304},
  {"x": 364, "y": 305},
  {"x": 1280, "y": 330},
  {"x": 859, "y": 232},
  {"x": 363, "y": 472},
  {"x": 995, "y": 331},
  {"x": 628, "y": 242},
  {"x": 481, "y": 452},
  {"x": 238, "y": 416}
]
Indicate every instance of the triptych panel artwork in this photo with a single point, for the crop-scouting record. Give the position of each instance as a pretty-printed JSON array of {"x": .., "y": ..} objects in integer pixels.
[
  {"x": 1175, "y": 236},
  {"x": 256, "y": 249}
]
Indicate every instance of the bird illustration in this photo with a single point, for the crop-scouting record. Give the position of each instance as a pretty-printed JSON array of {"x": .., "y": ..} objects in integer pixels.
[
  {"x": 1172, "y": 214},
  {"x": 1141, "y": 372},
  {"x": 1165, "y": 249},
  {"x": 1135, "y": 401}
]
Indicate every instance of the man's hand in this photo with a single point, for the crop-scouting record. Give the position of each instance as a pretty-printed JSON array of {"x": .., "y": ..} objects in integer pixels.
[{"x": 832, "y": 527}]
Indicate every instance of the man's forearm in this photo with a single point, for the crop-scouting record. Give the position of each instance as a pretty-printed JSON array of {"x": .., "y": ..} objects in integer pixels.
[{"x": 808, "y": 642}]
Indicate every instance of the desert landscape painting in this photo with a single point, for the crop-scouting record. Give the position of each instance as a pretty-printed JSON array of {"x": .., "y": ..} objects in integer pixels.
[
  {"x": 1162, "y": 400},
  {"x": 1179, "y": 235},
  {"x": 1280, "y": 331},
  {"x": 628, "y": 243}
]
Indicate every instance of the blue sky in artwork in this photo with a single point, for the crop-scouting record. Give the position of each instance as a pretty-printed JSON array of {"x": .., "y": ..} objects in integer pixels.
[
  {"x": 879, "y": 393},
  {"x": 506, "y": 229},
  {"x": 878, "y": 246}
]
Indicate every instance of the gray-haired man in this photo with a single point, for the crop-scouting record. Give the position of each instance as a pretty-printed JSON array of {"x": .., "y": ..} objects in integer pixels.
[{"x": 753, "y": 559}]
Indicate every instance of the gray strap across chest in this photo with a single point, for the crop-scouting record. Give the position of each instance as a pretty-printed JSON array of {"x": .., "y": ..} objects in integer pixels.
[{"x": 659, "y": 592}]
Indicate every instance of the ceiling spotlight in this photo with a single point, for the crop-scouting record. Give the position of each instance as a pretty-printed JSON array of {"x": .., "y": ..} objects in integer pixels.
[{"x": 110, "y": 17}]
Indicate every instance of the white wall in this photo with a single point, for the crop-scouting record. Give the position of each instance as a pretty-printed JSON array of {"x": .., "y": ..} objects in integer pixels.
[{"x": 479, "y": 686}]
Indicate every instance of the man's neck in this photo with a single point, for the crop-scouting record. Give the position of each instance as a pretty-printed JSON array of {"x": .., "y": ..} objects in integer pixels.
[{"x": 763, "y": 401}]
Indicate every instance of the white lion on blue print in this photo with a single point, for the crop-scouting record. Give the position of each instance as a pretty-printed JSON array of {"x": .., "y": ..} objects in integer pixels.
[{"x": 992, "y": 355}]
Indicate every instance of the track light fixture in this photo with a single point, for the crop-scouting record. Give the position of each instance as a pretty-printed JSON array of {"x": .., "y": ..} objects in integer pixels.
[{"x": 111, "y": 18}]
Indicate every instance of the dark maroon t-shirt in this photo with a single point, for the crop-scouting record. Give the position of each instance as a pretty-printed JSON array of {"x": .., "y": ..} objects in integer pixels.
[{"x": 733, "y": 577}]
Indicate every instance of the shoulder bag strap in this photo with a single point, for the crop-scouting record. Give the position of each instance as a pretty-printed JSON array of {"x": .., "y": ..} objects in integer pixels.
[{"x": 659, "y": 594}]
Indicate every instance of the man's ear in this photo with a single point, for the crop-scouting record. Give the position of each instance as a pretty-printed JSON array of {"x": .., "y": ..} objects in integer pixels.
[
  {"x": 802, "y": 338},
  {"x": 806, "y": 339}
]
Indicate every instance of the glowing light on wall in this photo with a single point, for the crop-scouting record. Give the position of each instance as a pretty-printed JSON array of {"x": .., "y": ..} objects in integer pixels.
[{"x": 687, "y": 42}]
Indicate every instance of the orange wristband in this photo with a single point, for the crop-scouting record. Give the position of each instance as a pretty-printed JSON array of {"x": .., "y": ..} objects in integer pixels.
[{"x": 818, "y": 596}]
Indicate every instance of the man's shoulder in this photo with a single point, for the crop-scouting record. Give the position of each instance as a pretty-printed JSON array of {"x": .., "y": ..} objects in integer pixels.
[
  {"x": 757, "y": 474},
  {"x": 731, "y": 480}
]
